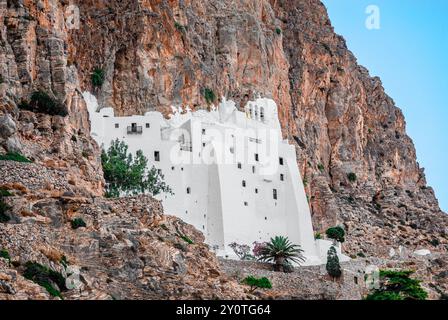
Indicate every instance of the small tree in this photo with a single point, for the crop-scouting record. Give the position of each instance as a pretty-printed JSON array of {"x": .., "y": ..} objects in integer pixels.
[
  {"x": 254, "y": 283},
  {"x": 333, "y": 267},
  {"x": 397, "y": 285},
  {"x": 282, "y": 253},
  {"x": 127, "y": 174},
  {"x": 336, "y": 233}
]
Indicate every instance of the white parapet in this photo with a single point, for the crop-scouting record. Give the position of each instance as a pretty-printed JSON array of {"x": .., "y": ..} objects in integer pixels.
[{"x": 233, "y": 176}]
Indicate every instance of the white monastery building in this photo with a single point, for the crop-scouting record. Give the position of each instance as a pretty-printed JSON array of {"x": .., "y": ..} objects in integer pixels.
[{"x": 232, "y": 175}]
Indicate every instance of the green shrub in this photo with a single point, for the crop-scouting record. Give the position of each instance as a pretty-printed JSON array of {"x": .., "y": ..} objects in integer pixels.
[
  {"x": 317, "y": 236},
  {"x": 254, "y": 283},
  {"x": 14, "y": 156},
  {"x": 179, "y": 27},
  {"x": 5, "y": 255},
  {"x": 46, "y": 278},
  {"x": 336, "y": 233},
  {"x": 352, "y": 177},
  {"x": 209, "y": 95},
  {"x": 278, "y": 31},
  {"x": 3, "y": 209},
  {"x": 333, "y": 267},
  {"x": 97, "y": 77},
  {"x": 41, "y": 102},
  {"x": 397, "y": 285},
  {"x": 125, "y": 174},
  {"x": 321, "y": 167},
  {"x": 64, "y": 262},
  {"x": 185, "y": 238},
  {"x": 5, "y": 192},
  {"x": 361, "y": 254},
  {"x": 78, "y": 223},
  {"x": 281, "y": 252}
]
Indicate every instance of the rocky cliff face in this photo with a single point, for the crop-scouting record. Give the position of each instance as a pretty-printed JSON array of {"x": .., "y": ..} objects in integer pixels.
[{"x": 358, "y": 164}]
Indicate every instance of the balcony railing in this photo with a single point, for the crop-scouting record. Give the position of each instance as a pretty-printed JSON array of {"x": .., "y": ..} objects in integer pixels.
[
  {"x": 135, "y": 130},
  {"x": 186, "y": 146}
]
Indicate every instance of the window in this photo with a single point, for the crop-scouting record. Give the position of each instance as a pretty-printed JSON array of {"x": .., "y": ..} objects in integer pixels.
[
  {"x": 256, "y": 157},
  {"x": 203, "y": 144},
  {"x": 244, "y": 183},
  {"x": 282, "y": 177},
  {"x": 275, "y": 194},
  {"x": 280, "y": 160},
  {"x": 147, "y": 125},
  {"x": 188, "y": 190},
  {"x": 117, "y": 125},
  {"x": 203, "y": 131},
  {"x": 245, "y": 204},
  {"x": 172, "y": 168},
  {"x": 262, "y": 114},
  {"x": 156, "y": 156},
  {"x": 256, "y": 190},
  {"x": 232, "y": 150},
  {"x": 239, "y": 165},
  {"x": 253, "y": 169}
]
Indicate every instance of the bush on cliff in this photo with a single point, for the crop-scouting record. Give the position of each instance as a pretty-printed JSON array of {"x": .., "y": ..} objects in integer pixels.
[
  {"x": 397, "y": 285},
  {"x": 209, "y": 95},
  {"x": 78, "y": 223},
  {"x": 14, "y": 156},
  {"x": 336, "y": 233},
  {"x": 97, "y": 77},
  {"x": 128, "y": 174},
  {"x": 4, "y": 207},
  {"x": 41, "y": 102},
  {"x": 52, "y": 281}
]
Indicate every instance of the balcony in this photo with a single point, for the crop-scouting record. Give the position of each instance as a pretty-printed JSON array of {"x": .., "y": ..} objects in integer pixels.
[
  {"x": 135, "y": 130},
  {"x": 186, "y": 146}
]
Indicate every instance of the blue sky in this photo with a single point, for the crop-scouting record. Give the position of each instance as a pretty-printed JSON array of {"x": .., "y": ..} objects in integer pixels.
[{"x": 410, "y": 54}]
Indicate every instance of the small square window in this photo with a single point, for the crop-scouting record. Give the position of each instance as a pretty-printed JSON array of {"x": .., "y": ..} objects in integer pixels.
[
  {"x": 147, "y": 125},
  {"x": 274, "y": 193},
  {"x": 172, "y": 168},
  {"x": 203, "y": 144},
  {"x": 188, "y": 190},
  {"x": 256, "y": 190},
  {"x": 245, "y": 204},
  {"x": 156, "y": 156},
  {"x": 282, "y": 177},
  {"x": 253, "y": 169},
  {"x": 244, "y": 183},
  {"x": 256, "y": 157},
  {"x": 117, "y": 125},
  {"x": 203, "y": 131},
  {"x": 239, "y": 165},
  {"x": 280, "y": 160}
]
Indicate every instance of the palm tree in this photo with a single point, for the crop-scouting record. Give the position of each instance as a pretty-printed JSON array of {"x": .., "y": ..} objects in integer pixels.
[{"x": 281, "y": 252}]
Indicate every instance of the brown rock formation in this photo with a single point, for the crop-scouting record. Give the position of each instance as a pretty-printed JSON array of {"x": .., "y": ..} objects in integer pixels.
[{"x": 161, "y": 52}]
